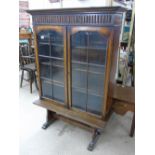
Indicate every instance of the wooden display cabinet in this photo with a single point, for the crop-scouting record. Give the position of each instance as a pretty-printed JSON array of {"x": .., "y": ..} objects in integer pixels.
[{"x": 76, "y": 57}]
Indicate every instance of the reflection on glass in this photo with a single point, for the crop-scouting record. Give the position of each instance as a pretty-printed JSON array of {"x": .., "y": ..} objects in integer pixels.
[
  {"x": 88, "y": 50},
  {"x": 44, "y": 50},
  {"x": 50, "y": 43},
  {"x": 43, "y": 36},
  {"x": 57, "y": 51}
]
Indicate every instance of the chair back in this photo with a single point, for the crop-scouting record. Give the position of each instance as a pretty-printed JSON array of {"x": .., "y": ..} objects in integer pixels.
[{"x": 26, "y": 54}]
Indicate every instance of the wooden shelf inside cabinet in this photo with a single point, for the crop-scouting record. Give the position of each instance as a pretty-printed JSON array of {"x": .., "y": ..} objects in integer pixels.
[
  {"x": 84, "y": 90},
  {"x": 51, "y": 44},
  {"x": 44, "y": 43},
  {"x": 89, "y": 64},
  {"x": 51, "y": 57},
  {"x": 49, "y": 64},
  {"x": 89, "y": 71},
  {"x": 89, "y": 48},
  {"x": 76, "y": 55},
  {"x": 50, "y": 81}
]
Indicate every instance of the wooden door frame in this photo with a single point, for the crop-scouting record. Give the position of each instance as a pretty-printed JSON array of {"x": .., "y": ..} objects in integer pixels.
[
  {"x": 105, "y": 31},
  {"x": 60, "y": 29}
]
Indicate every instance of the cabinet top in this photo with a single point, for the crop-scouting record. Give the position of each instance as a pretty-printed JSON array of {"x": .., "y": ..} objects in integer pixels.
[
  {"x": 78, "y": 10},
  {"x": 103, "y": 16}
]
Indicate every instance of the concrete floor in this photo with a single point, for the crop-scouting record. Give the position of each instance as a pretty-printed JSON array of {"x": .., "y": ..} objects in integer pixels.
[{"x": 64, "y": 139}]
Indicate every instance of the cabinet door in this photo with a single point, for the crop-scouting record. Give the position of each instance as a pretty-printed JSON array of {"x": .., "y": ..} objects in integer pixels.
[
  {"x": 88, "y": 65},
  {"x": 51, "y": 53}
]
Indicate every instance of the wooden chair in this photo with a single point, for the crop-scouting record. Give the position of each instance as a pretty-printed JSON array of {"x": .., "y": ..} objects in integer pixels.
[
  {"x": 27, "y": 63},
  {"x": 123, "y": 101}
]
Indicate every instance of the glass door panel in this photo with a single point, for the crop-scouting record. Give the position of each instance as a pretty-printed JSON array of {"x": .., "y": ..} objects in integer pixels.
[
  {"x": 58, "y": 74},
  {"x": 95, "y": 83},
  {"x": 58, "y": 92},
  {"x": 97, "y": 44},
  {"x": 56, "y": 45},
  {"x": 79, "y": 98},
  {"x": 94, "y": 104},
  {"x": 43, "y": 43},
  {"x": 44, "y": 67},
  {"x": 79, "y": 66},
  {"x": 88, "y": 59},
  {"x": 46, "y": 88},
  {"x": 51, "y": 62}
]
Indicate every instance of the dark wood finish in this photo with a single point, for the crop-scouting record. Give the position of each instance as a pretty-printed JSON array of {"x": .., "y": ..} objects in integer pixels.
[
  {"x": 123, "y": 99},
  {"x": 50, "y": 118},
  {"x": 73, "y": 114},
  {"x": 107, "y": 16},
  {"x": 69, "y": 70},
  {"x": 124, "y": 93},
  {"x": 113, "y": 68},
  {"x": 65, "y": 68},
  {"x": 105, "y": 23},
  {"x": 108, "y": 64},
  {"x": 37, "y": 61},
  {"x": 77, "y": 10},
  {"x": 121, "y": 107},
  {"x": 75, "y": 123}
]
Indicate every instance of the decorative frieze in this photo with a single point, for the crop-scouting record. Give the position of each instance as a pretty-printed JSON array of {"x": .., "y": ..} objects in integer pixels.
[{"x": 76, "y": 19}]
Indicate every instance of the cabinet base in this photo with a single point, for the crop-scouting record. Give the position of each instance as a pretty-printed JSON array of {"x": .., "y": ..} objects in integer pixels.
[
  {"x": 49, "y": 119},
  {"x": 53, "y": 115},
  {"x": 47, "y": 124}
]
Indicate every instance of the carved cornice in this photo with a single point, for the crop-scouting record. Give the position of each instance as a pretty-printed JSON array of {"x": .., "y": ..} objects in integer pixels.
[{"x": 110, "y": 16}]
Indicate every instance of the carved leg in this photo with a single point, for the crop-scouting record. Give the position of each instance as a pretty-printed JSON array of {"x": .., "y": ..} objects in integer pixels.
[
  {"x": 49, "y": 119},
  {"x": 96, "y": 135}
]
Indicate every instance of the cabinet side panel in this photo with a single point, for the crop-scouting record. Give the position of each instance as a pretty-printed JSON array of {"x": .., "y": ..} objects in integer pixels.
[{"x": 113, "y": 70}]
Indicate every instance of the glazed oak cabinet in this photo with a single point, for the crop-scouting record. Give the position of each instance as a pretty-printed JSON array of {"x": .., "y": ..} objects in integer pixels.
[{"x": 76, "y": 57}]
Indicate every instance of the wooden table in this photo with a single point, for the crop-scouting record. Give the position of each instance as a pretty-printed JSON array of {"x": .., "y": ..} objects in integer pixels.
[{"x": 123, "y": 101}]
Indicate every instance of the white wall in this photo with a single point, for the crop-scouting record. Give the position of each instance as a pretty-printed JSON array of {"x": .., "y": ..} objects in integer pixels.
[
  {"x": 84, "y": 3},
  {"x": 42, "y": 4},
  {"x": 45, "y": 4}
]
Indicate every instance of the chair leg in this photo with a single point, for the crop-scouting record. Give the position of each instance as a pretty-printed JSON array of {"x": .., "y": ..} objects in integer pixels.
[
  {"x": 35, "y": 80},
  {"x": 22, "y": 77},
  {"x": 30, "y": 74},
  {"x": 132, "y": 130}
]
